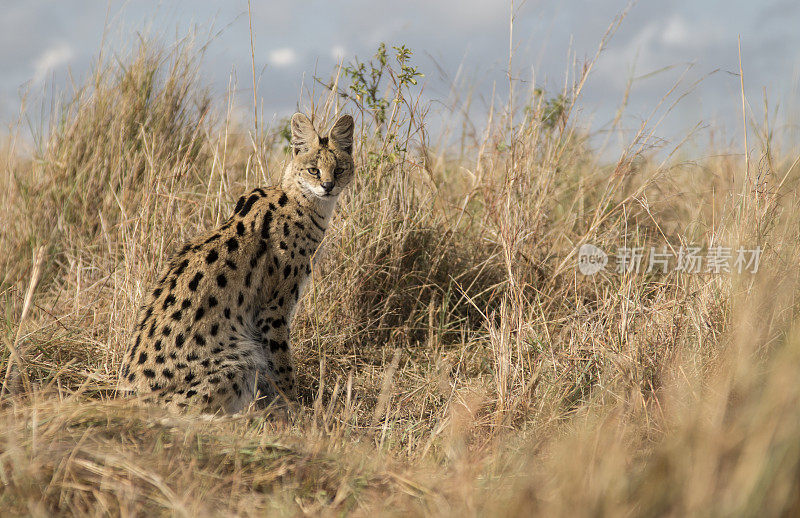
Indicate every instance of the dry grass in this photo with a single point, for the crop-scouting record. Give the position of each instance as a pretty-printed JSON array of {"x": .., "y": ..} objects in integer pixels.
[{"x": 452, "y": 360}]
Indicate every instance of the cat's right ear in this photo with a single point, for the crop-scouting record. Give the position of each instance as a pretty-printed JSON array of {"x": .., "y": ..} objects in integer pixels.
[{"x": 304, "y": 136}]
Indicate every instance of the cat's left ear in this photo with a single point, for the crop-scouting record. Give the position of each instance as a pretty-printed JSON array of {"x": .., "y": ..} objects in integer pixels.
[{"x": 342, "y": 133}]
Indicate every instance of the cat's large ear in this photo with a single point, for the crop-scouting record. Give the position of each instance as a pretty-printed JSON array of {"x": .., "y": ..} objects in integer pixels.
[
  {"x": 342, "y": 133},
  {"x": 304, "y": 136}
]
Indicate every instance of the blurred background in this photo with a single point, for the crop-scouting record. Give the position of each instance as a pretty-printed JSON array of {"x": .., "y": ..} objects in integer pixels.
[{"x": 462, "y": 46}]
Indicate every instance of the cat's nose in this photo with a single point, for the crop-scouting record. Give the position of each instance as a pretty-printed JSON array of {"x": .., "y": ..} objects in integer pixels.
[{"x": 328, "y": 186}]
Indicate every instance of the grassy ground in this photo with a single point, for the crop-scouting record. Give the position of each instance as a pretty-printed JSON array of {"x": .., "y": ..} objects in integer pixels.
[{"x": 451, "y": 358}]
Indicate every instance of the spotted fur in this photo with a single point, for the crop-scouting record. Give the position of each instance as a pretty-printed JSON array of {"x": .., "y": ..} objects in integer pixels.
[{"x": 213, "y": 333}]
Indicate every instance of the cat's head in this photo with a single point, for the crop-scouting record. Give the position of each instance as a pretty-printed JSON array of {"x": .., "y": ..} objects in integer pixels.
[{"x": 321, "y": 166}]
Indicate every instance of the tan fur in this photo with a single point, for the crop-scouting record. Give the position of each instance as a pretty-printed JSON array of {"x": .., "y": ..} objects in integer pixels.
[{"x": 214, "y": 331}]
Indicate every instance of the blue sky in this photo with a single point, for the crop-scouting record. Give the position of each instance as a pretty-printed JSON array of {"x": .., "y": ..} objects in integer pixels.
[{"x": 463, "y": 41}]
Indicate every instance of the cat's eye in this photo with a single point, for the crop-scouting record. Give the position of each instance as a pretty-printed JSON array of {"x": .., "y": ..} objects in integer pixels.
[
  {"x": 313, "y": 171},
  {"x": 338, "y": 171}
]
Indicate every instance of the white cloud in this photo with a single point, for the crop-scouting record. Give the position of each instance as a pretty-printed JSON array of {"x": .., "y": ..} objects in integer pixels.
[
  {"x": 282, "y": 57},
  {"x": 677, "y": 32},
  {"x": 338, "y": 52},
  {"x": 52, "y": 58}
]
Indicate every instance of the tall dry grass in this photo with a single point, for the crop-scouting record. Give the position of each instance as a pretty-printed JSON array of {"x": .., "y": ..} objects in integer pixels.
[{"x": 451, "y": 358}]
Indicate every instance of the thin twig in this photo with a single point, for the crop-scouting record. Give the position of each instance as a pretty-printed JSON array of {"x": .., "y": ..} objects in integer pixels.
[{"x": 10, "y": 379}]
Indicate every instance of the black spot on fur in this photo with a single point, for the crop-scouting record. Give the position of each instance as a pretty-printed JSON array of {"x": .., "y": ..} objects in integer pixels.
[
  {"x": 240, "y": 299},
  {"x": 211, "y": 239},
  {"x": 287, "y": 271},
  {"x": 239, "y": 205},
  {"x": 179, "y": 339},
  {"x": 167, "y": 374},
  {"x": 316, "y": 224},
  {"x": 247, "y": 279},
  {"x": 200, "y": 339},
  {"x": 214, "y": 330},
  {"x": 266, "y": 224},
  {"x": 232, "y": 244},
  {"x": 212, "y": 256},
  {"x": 181, "y": 267},
  {"x": 186, "y": 303},
  {"x": 166, "y": 331},
  {"x": 283, "y": 199},
  {"x": 176, "y": 316},
  {"x": 195, "y": 282},
  {"x": 262, "y": 249},
  {"x": 285, "y": 229},
  {"x": 191, "y": 357},
  {"x": 227, "y": 313},
  {"x": 168, "y": 301},
  {"x": 157, "y": 345},
  {"x": 275, "y": 345},
  {"x": 148, "y": 373},
  {"x": 240, "y": 229},
  {"x": 191, "y": 393},
  {"x": 160, "y": 359},
  {"x": 248, "y": 205},
  {"x": 189, "y": 377},
  {"x": 199, "y": 313},
  {"x": 222, "y": 281},
  {"x": 142, "y": 357},
  {"x": 212, "y": 301},
  {"x": 230, "y": 264},
  {"x": 156, "y": 293}
]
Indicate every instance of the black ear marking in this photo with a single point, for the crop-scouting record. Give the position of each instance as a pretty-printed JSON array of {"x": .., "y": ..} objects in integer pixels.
[
  {"x": 342, "y": 133},
  {"x": 304, "y": 136}
]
